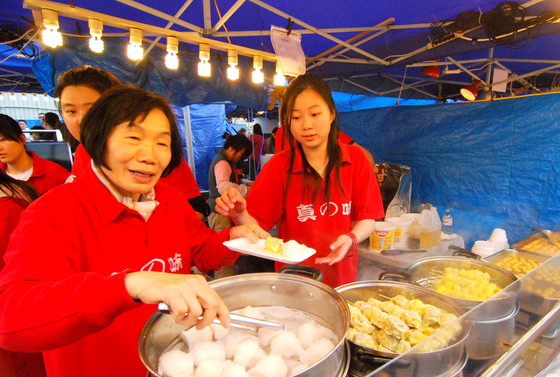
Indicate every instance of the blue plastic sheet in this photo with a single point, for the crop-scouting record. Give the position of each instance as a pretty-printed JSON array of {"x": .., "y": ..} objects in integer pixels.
[
  {"x": 182, "y": 86},
  {"x": 495, "y": 164}
]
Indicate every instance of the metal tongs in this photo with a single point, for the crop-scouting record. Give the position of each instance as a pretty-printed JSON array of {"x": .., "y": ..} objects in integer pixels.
[
  {"x": 545, "y": 235},
  {"x": 237, "y": 321}
]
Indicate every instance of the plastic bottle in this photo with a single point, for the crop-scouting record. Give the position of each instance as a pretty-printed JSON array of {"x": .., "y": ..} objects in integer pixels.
[
  {"x": 414, "y": 232},
  {"x": 447, "y": 222}
]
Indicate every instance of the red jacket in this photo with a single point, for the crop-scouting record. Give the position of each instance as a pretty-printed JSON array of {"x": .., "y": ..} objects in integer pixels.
[
  {"x": 10, "y": 210},
  {"x": 46, "y": 174},
  {"x": 181, "y": 178},
  {"x": 62, "y": 290},
  {"x": 308, "y": 219}
]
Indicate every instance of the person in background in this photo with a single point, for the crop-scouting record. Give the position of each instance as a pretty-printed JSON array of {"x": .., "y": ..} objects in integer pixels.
[
  {"x": 222, "y": 175},
  {"x": 322, "y": 192},
  {"x": 257, "y": 141},
  {"x": 270, "y": 142},
  {"x": 15, "y": 196},
  {"x": 108, "y": 247},
  {"x": 242, "y": 131},
  {"x": 23, "y": 125},
  {"x": 52, "y": 122},
  {"x": 78, "y": 89},
  {"x": 37, "y": 136},
  {"x": 23, "y": 165},
  {"x": 42, "y": 119}
]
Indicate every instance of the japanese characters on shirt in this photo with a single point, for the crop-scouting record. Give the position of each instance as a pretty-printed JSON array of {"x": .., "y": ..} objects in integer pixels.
[{"x": 308, "y": 211}]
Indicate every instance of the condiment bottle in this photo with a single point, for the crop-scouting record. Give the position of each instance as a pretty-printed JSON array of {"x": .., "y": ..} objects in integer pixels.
[{"x": 414, "y": 232}]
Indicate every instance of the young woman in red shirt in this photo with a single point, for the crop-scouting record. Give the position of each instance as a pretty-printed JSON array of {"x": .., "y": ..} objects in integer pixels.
[
  {"x": 86, "y": 260},
  {"x": 321, "y": 192},
  {"x": 23, "y": 165}
]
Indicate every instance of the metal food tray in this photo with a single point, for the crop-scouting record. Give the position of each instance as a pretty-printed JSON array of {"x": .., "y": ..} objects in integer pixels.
[
  {"x": 552, "y": 250},
  {"x": 495, "y": 258}
]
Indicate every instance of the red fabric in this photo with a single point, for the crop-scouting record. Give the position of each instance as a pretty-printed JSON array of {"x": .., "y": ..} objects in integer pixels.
[
  {"x": 343, "y": 138},
  {"x": 46, "y": 174},
  {"x": 9, "y": 218},
  {"x": 62, "y": 290},
  {"x": 305, "y": 219},
  {"x": 181, "y": 178}
]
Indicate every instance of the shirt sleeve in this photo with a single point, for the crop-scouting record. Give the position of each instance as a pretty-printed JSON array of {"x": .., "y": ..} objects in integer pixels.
[{"x": 222, "y": 171}]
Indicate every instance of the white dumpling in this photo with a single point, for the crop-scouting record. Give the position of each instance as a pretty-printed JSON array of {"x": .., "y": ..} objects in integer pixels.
[
  {"x": 193, "y": 336},
  {"x": 316, "y": 351},
  {"x": 233, "y": 338},
  {"x": 231, "y": 369},
  {"x": 248, "y": 352},
  {"x": 176, "y": 363},
  {"x": 218, "y": 331},
  {"x": 266, "y": 334},
  {"x": 310, "y": 332},
  {"x": 286, "y": 344},
  {"x": 298, "y": 368},
  {"x": 252, "y": 312},
  {"x": 209, "y": 368},
  {"x": 270, "y": 366},
  {"x": 209, "y": 350}
]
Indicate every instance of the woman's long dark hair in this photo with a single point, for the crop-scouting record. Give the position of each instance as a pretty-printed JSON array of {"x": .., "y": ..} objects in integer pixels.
[
  {"x": 334, "y": 154},
  {"x": 20, "y": 191}
]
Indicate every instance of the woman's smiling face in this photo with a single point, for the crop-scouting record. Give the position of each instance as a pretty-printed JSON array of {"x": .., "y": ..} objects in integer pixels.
[{"x": 138, "y": 153}]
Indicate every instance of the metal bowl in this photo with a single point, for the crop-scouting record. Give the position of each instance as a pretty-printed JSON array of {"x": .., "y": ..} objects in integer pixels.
[{"x": 425, "y": 363}]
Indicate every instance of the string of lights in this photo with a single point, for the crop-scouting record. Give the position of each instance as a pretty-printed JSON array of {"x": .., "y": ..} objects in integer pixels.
[{"x": 52, "y": 37}]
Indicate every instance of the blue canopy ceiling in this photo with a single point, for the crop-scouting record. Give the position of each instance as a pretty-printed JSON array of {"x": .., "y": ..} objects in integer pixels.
[{"x": 395, "y": 38}]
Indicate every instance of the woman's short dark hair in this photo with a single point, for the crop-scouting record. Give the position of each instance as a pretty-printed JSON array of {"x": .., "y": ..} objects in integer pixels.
[
  {"x": 239, "y": 142},
  {"x": 257, "y": 129},
  {"x": 94, "y": 78},
  {"x": 120, "y": 105},
  {"x": 52, "y": 120},
  {"x": 10, "y": 129}
]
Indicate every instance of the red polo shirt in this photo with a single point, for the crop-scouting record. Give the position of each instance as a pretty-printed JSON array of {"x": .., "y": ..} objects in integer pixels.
[
  {"x": 308, "y": 219},
  {"x": 46, "y": 174},
  {"x": 62, "y": 290}
]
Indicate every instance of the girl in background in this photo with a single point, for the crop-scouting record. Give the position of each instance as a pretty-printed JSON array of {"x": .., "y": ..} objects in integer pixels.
[
  {"x": 23, "y": 165},
  {"x": 322, "y": 193}
]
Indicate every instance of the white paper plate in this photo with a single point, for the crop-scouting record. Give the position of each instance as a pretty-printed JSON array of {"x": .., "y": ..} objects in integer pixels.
[{"x": 244, "y": 246}]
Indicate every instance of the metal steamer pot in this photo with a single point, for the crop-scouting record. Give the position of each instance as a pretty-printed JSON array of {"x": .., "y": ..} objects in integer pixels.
[
  {"x": 424, "y": 271},
  {"x": 314, "y": 298},
  {"x": 446, "y": 361}
]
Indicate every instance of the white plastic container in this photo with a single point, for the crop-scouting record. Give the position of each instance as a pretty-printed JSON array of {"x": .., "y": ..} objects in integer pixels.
[
  {"x": 484, "y": 248},
  {"x": 411, "y": 216},
  {"x": 499, "y": 239},
  {"x": 401, "y": 231},
  {"x": 383, "y": 236}
]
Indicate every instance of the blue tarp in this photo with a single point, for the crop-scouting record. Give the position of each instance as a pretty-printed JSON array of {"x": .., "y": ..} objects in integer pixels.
[
  {"x": 354, "y": 102},
  {"x": 495, "y": 164}
]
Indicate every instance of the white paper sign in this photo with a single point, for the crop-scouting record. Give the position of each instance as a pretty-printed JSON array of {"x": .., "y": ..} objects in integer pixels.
[
  {"x": 500, "y": 75},
  {"x": 288, "y": 50}
]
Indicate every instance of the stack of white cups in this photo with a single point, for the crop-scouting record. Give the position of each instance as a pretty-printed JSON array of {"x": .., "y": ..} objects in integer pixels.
[{"x": 499, "y": 239}]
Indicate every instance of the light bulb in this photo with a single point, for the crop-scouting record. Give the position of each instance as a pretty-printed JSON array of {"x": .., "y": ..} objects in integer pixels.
[
  {"x": 35, "y": 98},
  {"x": 204, "y": 67},
  {"x": 51, "y": 36},
  {"x": 258, "y": 76},
  {"x": 96, "y": 44},
  {"x": 233, "y": 72},
  {"x": 13, "y": 96},
  {"x": 95, "y": 29},
  {"x": 279, "y": 79},
  {"x": 135, "y": 50},
  {"x": 1, "y": 96},
  {"x": 171, "y": 60},
  {"x": 24, "y": 96}
]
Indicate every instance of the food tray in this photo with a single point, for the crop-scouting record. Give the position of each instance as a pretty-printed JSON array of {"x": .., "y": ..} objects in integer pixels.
[
  {"x": 244, "y": 246},
  {"x": 496, "y": 258},
  {"x": 536, "y": 243}
]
